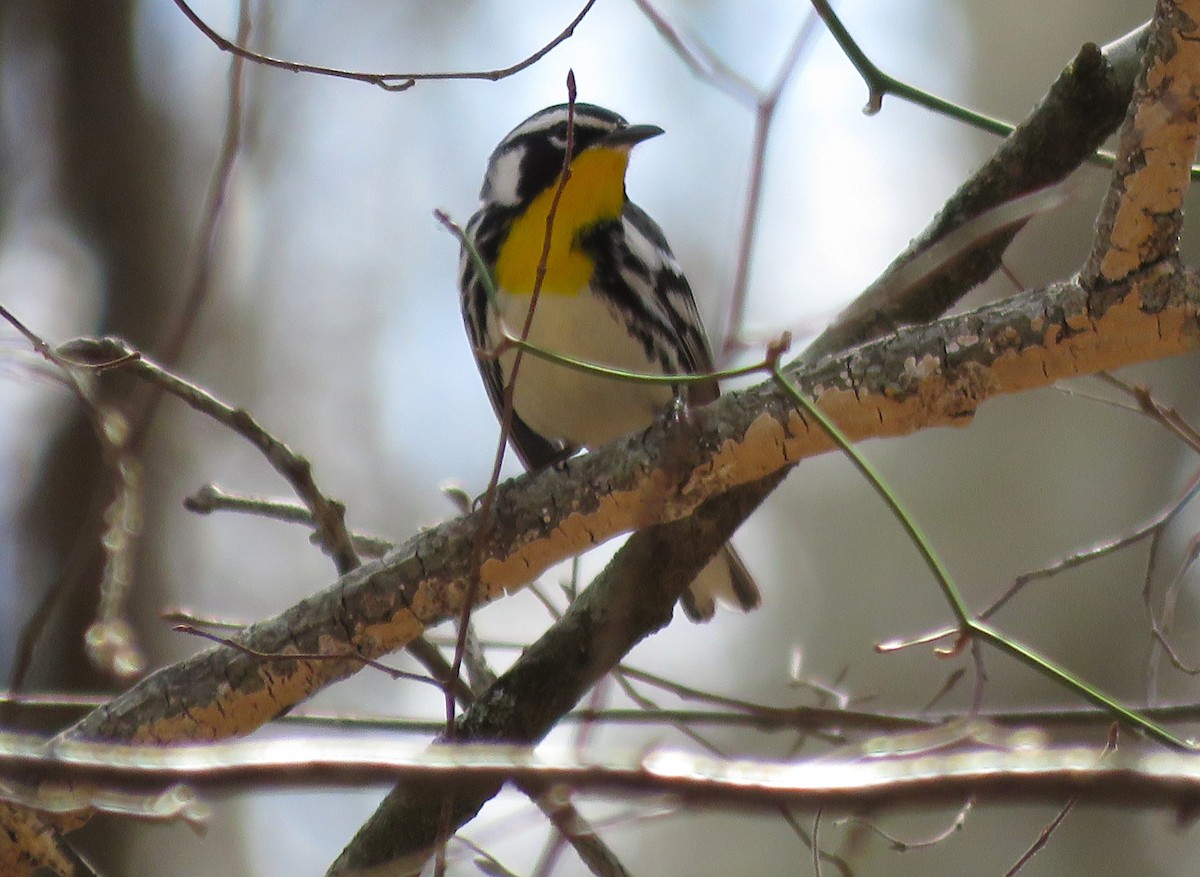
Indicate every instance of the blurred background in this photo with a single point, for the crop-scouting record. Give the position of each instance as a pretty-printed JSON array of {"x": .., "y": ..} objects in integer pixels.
[{"x": 332, "y": 315}]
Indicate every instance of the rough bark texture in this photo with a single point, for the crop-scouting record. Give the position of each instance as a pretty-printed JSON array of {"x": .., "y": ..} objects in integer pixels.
[{"x": 932, "y": 375}]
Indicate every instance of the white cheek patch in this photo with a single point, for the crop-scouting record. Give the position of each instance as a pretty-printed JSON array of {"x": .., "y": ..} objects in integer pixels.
[{"x": 503, "y": 177}]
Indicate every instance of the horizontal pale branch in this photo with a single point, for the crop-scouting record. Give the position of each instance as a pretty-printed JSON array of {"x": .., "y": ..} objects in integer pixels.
[
  {"x": 1005, "y": 767},
  {"x": 933, "y": 375}
]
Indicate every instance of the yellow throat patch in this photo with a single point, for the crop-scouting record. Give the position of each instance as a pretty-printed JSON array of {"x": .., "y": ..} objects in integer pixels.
[{"x": 595, "y": 192}]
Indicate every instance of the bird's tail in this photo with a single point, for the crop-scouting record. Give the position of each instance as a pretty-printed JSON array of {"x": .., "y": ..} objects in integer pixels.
[{"x": 725, "y": 579}]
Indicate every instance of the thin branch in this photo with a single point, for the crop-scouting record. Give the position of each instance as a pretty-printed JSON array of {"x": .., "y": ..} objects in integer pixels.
[
  {"x": 1095, "y": 774},
  {"x": 835, "y": 724},
  {"x": 211, "y": 498},
  {"x": 1160, "y": 628},
  {"x": 295, "y": 469},
  {"x": 1150, "y": 528},
  {"x": 992, "y": 348},
  {"x": 110, "y": 640},
  {"x": 705, "y": 63},
  {"x": 811, "y": 841},
  {"x": 901, "y": 845},
  {"x": 170, "y": 347},
  {"x": 386, "y": 81},
  {"x": 488, "y": 505},
  {"x": 880, "y": 84},
  {"x": 764, "y": 117},
  {"x": 1044, "y": 836},
  {"x": 1083, "y": 106}
]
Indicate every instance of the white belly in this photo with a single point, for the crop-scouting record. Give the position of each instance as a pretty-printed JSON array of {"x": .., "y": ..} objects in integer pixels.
[{"x": 562, "y": 403}]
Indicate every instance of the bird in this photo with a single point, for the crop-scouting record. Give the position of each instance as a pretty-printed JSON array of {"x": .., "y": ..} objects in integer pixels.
[{"x": 612, "y": 294}]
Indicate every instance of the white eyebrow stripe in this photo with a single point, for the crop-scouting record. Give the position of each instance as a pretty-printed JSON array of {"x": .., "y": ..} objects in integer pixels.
[{"x": 540, "y": 122}]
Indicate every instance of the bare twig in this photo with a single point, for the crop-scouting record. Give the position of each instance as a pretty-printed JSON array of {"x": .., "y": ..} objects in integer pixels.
[
  {"x": 811, "y": 842},
  {"x": 211, "y": 498},
  {"x": 386, "y": 81},
  {"x": 1044, "y": 836},
  {"x": 306, "y": 656},
  {"x": 1160, "y": 627},
  {"x": 1083, "y": 106},
  {"x": 901, "y": 845},
  {"x": 110, "y": 640},
  {"x": 328, "y": 514},
  {"x": 880, "y": 84},
  {"x": 171, "y": 345},
  {"x": 487, "y": 505},
  {"x": 764, "y": 116},
  {"x": 700, "y": 58},
  {"x": 705, "y": 63},
  {"x": 1152, "y": 528}
]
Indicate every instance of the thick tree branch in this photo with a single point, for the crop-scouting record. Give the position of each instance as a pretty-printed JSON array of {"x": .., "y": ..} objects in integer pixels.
[
  {"x": 1082, "y": 108},
  {"x": 31, "y": 843},
  {"x": 1143, "y": 213},
  {"x": 208, "y": 709},
  {"x": 631, "y": 599},
  {"x": 933, "y": 375},
  {"x": 930, "y": 375},
  {"x": 943, "y": 370}
]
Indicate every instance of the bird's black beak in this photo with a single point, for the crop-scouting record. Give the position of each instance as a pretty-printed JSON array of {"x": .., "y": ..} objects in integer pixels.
[{"x": 629, "y": 136}]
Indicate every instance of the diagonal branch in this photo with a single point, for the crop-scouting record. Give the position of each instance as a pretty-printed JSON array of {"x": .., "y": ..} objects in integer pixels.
[
  {"x": 933, "y": 375},
  {"x": 32, "y": 843},
  {"x": 945, "y": 386},
  {"x": 537, "y": 545},
  {"x": 631, "y": 599},
  {"x": 1142, "y": 216},
  {"x": 1083, "y": 106},
  {"x": 925, "y": 376}
]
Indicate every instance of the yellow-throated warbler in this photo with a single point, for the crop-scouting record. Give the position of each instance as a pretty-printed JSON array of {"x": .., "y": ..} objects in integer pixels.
[{"x": 612, "y": 294}]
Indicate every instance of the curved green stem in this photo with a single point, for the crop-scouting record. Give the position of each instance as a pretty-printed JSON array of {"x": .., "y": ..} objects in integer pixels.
[{"x": 969, "y": 625}]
